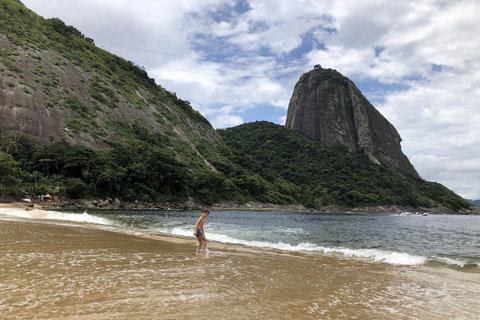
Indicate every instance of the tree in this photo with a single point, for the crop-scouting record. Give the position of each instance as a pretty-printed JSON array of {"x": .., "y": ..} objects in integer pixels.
[
  {"x": 8, "y": 144},
  {"x": 9, "y": 173}
]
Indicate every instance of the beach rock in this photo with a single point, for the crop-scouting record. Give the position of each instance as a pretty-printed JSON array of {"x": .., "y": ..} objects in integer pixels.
[
  {"x": 255, "y": 205},
  {"x": 88, "y": 204},
  {"x": 192, "y": 203},
  {"x": 104, "y": 203},
  {"x": 128, "y": 206}
]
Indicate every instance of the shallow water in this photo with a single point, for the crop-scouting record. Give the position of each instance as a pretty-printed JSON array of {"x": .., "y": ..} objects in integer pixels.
[
  {"x": 451, "y": 241},
  {"x": 62, "y": 270}
]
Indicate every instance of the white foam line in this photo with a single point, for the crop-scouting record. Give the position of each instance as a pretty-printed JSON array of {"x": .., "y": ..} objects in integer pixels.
[
  {"x": 54, "y": 215},
  {"x": 377, "y": 255},
  {"x": 458, "y": 263},
  {"x": 391, "y": 257}
]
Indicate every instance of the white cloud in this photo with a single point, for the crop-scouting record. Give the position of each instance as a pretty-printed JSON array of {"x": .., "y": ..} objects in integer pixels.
[
  {"x": 223, "y": 117},
  {"x": 440, "y": 126},
  {"x": 224, "y": 121}
]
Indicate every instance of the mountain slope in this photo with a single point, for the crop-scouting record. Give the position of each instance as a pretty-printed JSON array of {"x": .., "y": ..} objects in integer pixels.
[
  {"x": 320, "y": 175},
  {"x": 57, "y": 83},
  {"x": 124, "y": 135}
]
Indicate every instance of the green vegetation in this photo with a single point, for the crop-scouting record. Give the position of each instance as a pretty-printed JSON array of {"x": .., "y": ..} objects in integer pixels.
[
  {"x": 260, "y": 161},
  {"x": 9, "y": 177},
  {"x": 319, "y": 175},
  {"x": 10, "y": 170},
  {"x": 12, "y": 67},
  {"x": 102, "y": 93},
  {"x": 144, "y": 167}
]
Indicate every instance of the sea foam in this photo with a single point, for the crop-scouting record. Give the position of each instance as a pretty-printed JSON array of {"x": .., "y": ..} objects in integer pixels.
[
  {"x": 55, "y": 215},
  {"x": 230, "y": 236},
  {"x": 391, "y": 257}
]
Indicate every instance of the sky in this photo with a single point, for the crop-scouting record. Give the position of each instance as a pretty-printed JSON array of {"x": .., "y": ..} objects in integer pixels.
[{"x": 237, "y": 61}]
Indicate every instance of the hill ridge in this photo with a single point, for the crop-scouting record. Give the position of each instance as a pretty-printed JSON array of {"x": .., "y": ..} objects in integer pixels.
[{"x": 52, "y": 90}]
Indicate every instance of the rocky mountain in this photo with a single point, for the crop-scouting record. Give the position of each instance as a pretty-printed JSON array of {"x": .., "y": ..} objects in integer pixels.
[
  {"x": 55, "y": 83},
  {"x": 474, "y": 202},
  {"x": 329, "y": 107}
]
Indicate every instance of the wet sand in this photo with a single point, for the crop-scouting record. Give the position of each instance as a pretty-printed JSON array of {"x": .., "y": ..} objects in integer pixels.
[{"x": 56, "y": 270}]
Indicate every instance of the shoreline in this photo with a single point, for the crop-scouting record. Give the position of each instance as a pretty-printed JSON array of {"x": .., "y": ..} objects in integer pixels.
[
  {"x": 64, "y": 272},
  {"x": 40, "y": 216},
  {"x": 110, "y": 204}
]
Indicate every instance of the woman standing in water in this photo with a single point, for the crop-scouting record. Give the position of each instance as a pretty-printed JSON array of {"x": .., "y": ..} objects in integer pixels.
[{"x": 199, "y": 233}]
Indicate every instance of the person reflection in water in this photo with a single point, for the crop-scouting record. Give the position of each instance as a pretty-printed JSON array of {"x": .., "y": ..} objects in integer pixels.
[{"x": 199, "y": 233}]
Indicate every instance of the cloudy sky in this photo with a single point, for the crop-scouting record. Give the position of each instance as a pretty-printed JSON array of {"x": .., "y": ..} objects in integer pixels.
[{"x": 237, "y": 61}]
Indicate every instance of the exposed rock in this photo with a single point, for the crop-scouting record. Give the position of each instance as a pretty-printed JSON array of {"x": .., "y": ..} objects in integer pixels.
[
  {"x": 35, "y": 103},
  {"x": 193, "y": 203},
  {"x": 104, "y": 203},
  {"x": 255, "y": 205},
  {"x": 329, "y": 107},
  {"x": 88, "y": 204}
]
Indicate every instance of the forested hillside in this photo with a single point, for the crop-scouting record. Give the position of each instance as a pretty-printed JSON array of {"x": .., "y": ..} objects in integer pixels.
[
  {"x": 319, "y": 175},
  {"x": 82, "y": 122}
]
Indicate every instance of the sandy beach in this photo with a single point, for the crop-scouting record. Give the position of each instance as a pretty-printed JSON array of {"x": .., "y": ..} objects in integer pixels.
[
  {"x": 66, "y": 270},
  {"x": 13, "y": 205}
]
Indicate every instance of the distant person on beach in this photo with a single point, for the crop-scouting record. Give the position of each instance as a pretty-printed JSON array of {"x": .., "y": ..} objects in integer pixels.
[{"x": 199, "y": 233}]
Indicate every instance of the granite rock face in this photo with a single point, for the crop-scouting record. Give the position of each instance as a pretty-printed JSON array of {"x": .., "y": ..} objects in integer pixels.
[
  {"x": 329, "y": 107},
  {"x": 46, "y": 96}
]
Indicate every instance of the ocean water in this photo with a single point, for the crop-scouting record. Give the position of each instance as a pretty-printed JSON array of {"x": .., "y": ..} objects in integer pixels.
[
  {"x": 143, "y": 264},
  {"x": 451, "y": 241}
]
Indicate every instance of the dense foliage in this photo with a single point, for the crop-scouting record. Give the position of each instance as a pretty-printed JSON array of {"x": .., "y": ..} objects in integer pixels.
[
  {"x": 143, "y": 167},
  {"x": 319, "y": 175},
  {"x": 262, "y": 161}
]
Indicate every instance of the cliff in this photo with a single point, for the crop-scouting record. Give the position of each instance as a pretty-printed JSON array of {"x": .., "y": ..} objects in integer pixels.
[
  {"x": 329, "y": 107},
  {"x": 56, "y": 84}
]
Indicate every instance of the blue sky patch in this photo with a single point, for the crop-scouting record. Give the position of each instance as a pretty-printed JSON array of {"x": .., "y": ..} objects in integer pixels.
[
  {"x": 378, "y": 50},
  {"x": 437, "y": 67}
]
